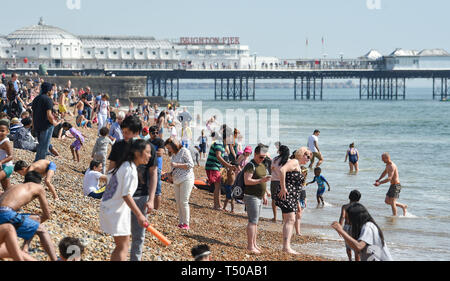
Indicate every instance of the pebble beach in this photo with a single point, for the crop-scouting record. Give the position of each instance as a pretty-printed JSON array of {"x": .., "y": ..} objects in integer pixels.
[{"x": 75, "y": 215}]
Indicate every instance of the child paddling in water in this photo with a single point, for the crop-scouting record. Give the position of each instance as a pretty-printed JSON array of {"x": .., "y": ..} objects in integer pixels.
[{"x": 320, "y": 185}]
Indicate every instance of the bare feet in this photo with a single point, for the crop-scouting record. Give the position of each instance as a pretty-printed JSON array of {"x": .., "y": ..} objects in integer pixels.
[
  {"x": 290, "y": 251},
  {"x": 404, "y": 210},
  {"x": 254, "y": 251},
  {"x": 274, "y": 220}
]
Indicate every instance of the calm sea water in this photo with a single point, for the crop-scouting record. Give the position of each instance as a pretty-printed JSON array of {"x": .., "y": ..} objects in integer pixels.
[{"x": 416, "y": 133}]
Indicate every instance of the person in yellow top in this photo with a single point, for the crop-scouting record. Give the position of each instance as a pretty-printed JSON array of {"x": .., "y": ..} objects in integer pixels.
[{"x": 62, "y": 103}]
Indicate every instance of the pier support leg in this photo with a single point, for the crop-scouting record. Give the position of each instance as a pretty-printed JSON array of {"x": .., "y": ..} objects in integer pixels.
[
  {"x": 295, "y": 88},
  {"x": 301, "y": 88},
  {"x": 321, "y": 88}
]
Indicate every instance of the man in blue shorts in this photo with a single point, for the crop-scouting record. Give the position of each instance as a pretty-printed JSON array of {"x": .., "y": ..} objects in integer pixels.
[
  {"x": 44, "y": 167},
  {"x": 27, "y": 225}
]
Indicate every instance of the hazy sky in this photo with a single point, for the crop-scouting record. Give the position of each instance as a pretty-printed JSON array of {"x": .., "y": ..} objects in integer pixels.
[{"x": 271, "y": 28}]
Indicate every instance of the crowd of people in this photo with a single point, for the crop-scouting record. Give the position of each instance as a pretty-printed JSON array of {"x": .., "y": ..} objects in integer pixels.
[{"x": 128, "y": 180}]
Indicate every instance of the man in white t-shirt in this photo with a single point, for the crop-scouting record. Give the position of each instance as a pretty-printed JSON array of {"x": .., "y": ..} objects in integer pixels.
[
  {"x": 313, "y": 145},
  {"x": 91, "y": 180}
]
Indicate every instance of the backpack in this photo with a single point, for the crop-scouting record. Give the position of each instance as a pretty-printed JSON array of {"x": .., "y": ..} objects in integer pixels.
[{"x": 238, "y": 188}]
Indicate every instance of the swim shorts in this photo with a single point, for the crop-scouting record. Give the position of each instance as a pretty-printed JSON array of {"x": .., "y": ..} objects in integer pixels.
[
  {"x": 228, "y": 189},
  {"x": 8, "y": 169},
  {"x": 25, "y": 227},
  {"x": 320, "y": 191},
  {"x": 394, "y": 191},
  {"x": 51, "y": 167},
  {"x": 348, "y": 229},
  {"x": 213, "y": 176},
  {"x": 158, "y": 184}
]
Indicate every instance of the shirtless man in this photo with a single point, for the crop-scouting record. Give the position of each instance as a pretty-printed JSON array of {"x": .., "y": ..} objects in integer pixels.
[
  {"x": 79, "y": 107},
  {"x": 27, "y": 225},
  {"x": 44, "y": 167},
  {"x": 394, "y": 191}
]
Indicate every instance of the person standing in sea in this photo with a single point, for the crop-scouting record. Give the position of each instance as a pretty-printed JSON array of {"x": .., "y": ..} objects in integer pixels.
[
  {"x": 394, "y": 191},
  {"x": 313, "y": 146}
]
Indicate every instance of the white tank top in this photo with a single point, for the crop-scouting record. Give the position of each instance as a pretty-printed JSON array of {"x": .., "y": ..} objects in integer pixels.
[{"x": 4, "y": 154}]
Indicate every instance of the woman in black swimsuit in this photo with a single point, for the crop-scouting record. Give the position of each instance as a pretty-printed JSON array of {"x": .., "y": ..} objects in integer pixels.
[{"x": 289, "y": 193}]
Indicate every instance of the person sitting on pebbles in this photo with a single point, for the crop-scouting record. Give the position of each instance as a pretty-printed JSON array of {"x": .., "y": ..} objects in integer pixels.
[
  {"x": 44, "y": 167},
  {"x": 27, "y": 226}
]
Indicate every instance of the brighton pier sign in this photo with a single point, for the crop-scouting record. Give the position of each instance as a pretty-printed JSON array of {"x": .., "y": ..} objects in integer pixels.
[{"x": 209, "y": 41}]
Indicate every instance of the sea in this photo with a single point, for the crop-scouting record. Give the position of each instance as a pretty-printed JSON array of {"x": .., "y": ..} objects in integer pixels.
[{"x": 415, "y": 132}]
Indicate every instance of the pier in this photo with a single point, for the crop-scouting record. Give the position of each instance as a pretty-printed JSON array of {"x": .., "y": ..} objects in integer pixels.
[
  {"x": 375, "y": 83},
  {"x": 308, "y": 84}
]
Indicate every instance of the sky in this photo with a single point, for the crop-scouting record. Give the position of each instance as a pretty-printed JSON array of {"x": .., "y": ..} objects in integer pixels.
[{"x": 270, "y": 28}]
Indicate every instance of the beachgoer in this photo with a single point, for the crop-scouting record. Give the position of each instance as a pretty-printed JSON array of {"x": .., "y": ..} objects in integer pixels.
[
  {"x": 201, "y": 253},
  {"x": 354, "y": 197},
  {"x": 144, "y": 196},
  {"x": 353, "y": 156},
  {"x": 6, "y": 155},
  {"x": 214, "y": 162},
  {"x": 43, "y": 120},
  {"x": 313, "y": 146},
  {"x": 115, "y": 132},
  {"x": 62, "y": 100},
  {"x": 9, "y": 246},
  {"x": 117, "y": 202},
  {"x": 394, "y": 191},
  {"x": 91, "y": 180},
  {"x": 45, "y": 168},
  {"x": 183, "y": 179},
  {"x": 277, "y": 163},
  {"x": 100, "y": 150},
  {"x": 320, "y": 185},
  {"x": 228, "y": 181},
  {"x": 203, "y": 140},
  {"x": 77, "y": 145},
  {"x": 243, "y": 159},
  {"x": 71, "y": 249},
  {"x": 103, "y": 110},
  {"x": 255, "y": 179},
  {"x": 302, "y": 201},
  {"x": 14, "y": 199},
  {"x": 158, "y": 143},
  {"x": 367, "y": 239},
  {"x": 291, "y": 182}
]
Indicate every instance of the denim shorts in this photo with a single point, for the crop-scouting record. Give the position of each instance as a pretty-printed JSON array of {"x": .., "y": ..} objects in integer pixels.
[
  {"x": 158, "y": 184},
  {"x": 25, "y": 227},
  {"x": 254, "y": 206}
]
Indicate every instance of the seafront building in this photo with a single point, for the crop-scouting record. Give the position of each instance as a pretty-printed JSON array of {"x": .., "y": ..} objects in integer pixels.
[{"x": 30, "y": 47}]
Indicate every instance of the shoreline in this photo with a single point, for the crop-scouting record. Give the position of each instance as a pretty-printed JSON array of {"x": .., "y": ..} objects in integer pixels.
[{"x": 77, "y": 216}]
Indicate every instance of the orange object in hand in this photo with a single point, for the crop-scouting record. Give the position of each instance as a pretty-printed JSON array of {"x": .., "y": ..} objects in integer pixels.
[{"x": 158, "y": 235}]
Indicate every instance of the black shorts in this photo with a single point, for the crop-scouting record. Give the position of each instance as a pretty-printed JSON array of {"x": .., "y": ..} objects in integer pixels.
[{"x": 394, "y": 191}]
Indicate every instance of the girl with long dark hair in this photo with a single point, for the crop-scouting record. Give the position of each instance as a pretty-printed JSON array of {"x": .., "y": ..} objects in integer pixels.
[
  {"x": 277, "y": 163},
  {"x": 117, "y": 201},
  {"x": 367, "y": 237}
]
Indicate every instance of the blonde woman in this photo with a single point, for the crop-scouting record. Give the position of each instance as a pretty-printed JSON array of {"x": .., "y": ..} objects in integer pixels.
[{"x": 291, "y": 181}]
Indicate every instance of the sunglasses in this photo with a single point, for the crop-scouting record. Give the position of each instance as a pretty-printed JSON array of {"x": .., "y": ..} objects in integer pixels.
[
  {"x": 307, "y": 155},
  {"x": 262, "y": 157},
  {"x": 154, "y": 133}
]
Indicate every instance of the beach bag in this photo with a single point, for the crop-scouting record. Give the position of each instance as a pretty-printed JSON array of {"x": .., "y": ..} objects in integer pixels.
[{"x": 238, "y": 188}]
